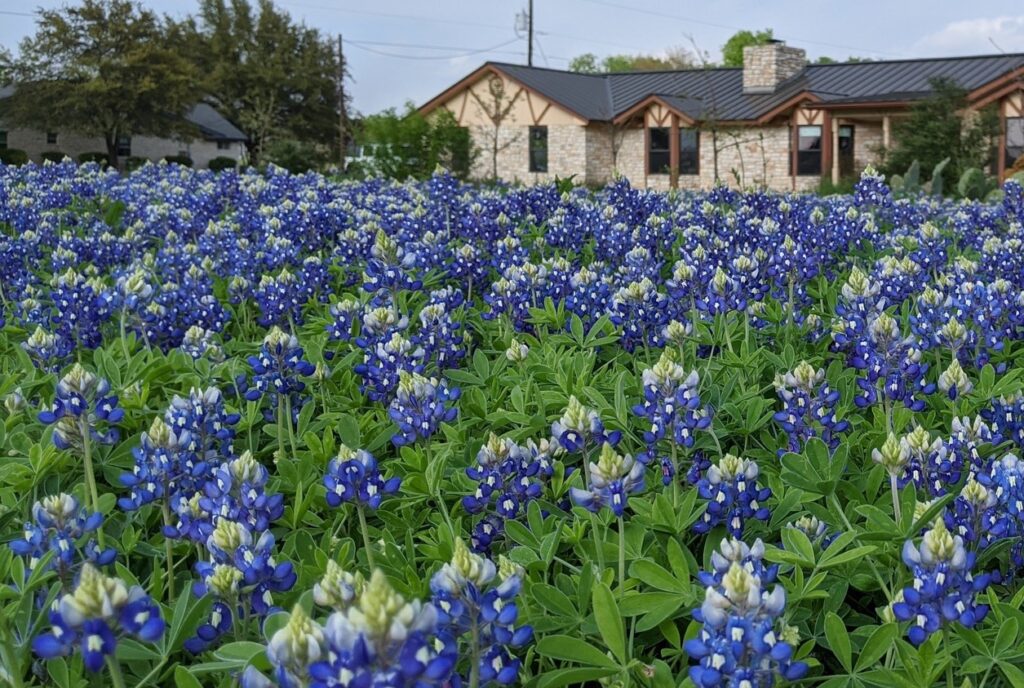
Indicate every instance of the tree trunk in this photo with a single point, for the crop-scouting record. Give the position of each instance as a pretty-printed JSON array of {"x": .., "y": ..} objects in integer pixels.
[{"x": 110, "y": 139}]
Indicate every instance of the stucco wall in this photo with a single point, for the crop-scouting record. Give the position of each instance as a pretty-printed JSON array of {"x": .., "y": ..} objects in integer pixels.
[{"x": 71, "y": 144}]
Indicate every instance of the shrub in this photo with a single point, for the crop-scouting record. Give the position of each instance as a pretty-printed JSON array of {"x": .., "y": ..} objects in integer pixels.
[
  {"x": 53, "y": 156},
  {"x": 135, "y": 162},
  {"x": 95, "y": 156},
  {"x": 13, "y": 156},
  {"x": 222, "y": 162},
  {"x": 297, "y": 156},
  {"x": 182, "y": 160}
]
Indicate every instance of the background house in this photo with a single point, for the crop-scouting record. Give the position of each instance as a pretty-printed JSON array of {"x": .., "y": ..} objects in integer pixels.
[
  {"x": 216, "y": 137},
  {"x": 776, "y": 122}
]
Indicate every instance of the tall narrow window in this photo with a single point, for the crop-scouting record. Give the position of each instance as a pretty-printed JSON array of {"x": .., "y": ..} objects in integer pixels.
[
  {"x": 1014, "y": 140},
  {"x": 538, "y": 149},
  {"x": 659, "y": 159},
  {"x": 3, "y": 140},
  {"x": 689, "y": 151},
  {"x": 124, "y": 146},
  {"x": 51, "y": 137},
  {"x": 808, "y": 155}
]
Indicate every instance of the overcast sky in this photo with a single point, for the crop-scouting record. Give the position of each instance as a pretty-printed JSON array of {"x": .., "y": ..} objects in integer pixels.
[{"x": 402, "y": 50}]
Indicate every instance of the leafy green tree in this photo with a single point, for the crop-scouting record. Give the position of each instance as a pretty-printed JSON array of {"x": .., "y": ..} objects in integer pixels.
[
  {"x": 410, "y": 145},
  {"x": 732, "y": 51},
  {"x": 102, "y": 68},
  {"x": 937, "y": 129},
  {"x": 275, "y": 78},
  {"x": 676, "y": 58}
]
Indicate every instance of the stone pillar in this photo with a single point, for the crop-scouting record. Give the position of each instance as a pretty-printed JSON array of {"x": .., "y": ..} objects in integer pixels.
[
  {"x": 835, "y": 150},
  {"x": 886, "y": 132}
]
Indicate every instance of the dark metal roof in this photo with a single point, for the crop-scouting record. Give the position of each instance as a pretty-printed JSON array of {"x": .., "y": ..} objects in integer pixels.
[{"x": 718, "y": 92}]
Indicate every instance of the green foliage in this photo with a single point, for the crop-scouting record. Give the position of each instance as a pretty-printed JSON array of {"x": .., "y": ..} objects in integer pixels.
[
  {"x": 222, "y": 162},
  {"x": 135, "y": 162},
  {"x": 827, "y": 188},
  {"x": 53, "y": 156},
  {"x": 183, "y": 160},
  {"x": 676, "y": 58},
  {"x": 409, "y": 145},
  {"x": 274, "y": 77},
  {"x": 95, "y": 156},
  {"x": 13, "y": 156},
  {"x": 297, "y": 156},
  {"x": 936, "y": 129},
  {"x": 732, "y": 51},
  {"x": 104, "y": 68},
  {"x": 975, "y": 184}
]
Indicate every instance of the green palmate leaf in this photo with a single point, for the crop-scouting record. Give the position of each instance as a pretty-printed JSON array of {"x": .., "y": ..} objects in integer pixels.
[
  {"x": 838, "y": 640},
  {"x": 240, "y": 651},
  {"x": 880, "y": 640},
  {"x": 855, "y": 554},
  {"x": 655, "y": 576},
  {"x": 564, "y": 677},
  {"x": 797, "y": 542},
  {"x": 1013, "y": 674},
  {"x": 183, "y": 678},
  {"x": 609, "y": 622},
  {"x": 570, "y": 649}
]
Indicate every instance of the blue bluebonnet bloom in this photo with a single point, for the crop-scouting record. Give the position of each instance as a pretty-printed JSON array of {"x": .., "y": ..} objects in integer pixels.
[
  {"x": 355, "y": 477},
  {"x": 383, "y": 640},
  {"x": 671, "y": 402},
  {"x": 92, "y": 618},
  {"x": 81, "y": 403},
  {"x": 612, "y": 478},
  {"x": 420, "y": 406},
  {"x": 80, "y": 311},
  {"x": 965, "y": 442},
  {"x": 208, "y": 423},
  {"x": 743, "y": 640},
  {"x": 338, "y": 589},
  {"x": 733, "y": 495},
  {"x": 1006, "y": 416},
  {"x": 892, "y": 366},
  {"x": 472, "y": 597},
  {"x": 383, "y": 363},
  {"x": 809, "y": 407},
  {"x": 199, "y": 342},
  {"x": 291, "y": 651},
  {"x": 46, "y": 350},
  {"x": 389, "y": 267},
  {"x": 164, "y": 464},
  {"x": 581, "y": 428},
  {"x": 62, "y": 526},
  {"x": 344, "y": 314},
  {"x": 871, "y": 190},
  {"x": 237, "y": 491},
  {"x": 642, "y": 312},
  {"x": 954, "y": 381},
  {"x": 976, "y": 517},
  {"x": 508, "y": 478},
  {"x": 815, "y": 530},
  {"x": 276, "y": 372},
  {"x": 944, "y": 587}
]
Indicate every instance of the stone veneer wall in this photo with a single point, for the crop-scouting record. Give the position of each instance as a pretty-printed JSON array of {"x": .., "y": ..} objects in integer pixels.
[
  {"x": 867, "y": 141},
  {"x": 600, "y": 165},
  {"x": 567, "y": 153}
]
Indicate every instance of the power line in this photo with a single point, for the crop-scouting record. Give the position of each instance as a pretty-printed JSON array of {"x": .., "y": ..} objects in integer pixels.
[
  {"x": 17, "y": 14},
  {"x": 691, "y": 20},
  {"x": 394, "y": 15},
  {"x": 468, "y": 52}
]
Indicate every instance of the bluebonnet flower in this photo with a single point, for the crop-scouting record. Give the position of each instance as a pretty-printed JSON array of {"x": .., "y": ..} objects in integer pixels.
[
  {"x": 420, "y": 406},
  {"x": 722, "y": 295},
  {"x": 291, "y": 651},
  {"x": 809, "y": 407},
  {"x": 60, "y": 525},
  {"x": 46, "y": 350},
  {"x": 580, "y": 428},
  {"x": 642, "y": 312},
  {"x": 965, "y": 442},
  {"x": 199, "y": 342},
  {"x": 208, "y": 423},
  {"x": 276, "y": 372},
  {"x": 439, "y": 338},
  {"x": 354, "y": 477},
  {"x": 815, "y": 530},
  {"x": 237, "y": 491},
  {"x": 1006, "y": 416},
  {"x": 975, "y": 516},
  {"x": 671, "y": 402},
  {"x": 892, "y": 365},
  {"x": 383, "y": 640},
  {"x": 79, "y": 309},
  {"x": 508, "y": 478},
  {"x": 871, "y": 190},
  {"x": 743, "y": 640},
  {"x": 338, "y": 589},
  {"x": 516, "y": 351},
  {"x": 859, "y": 303},
  {"x": 163, "y": 465},
  {"x": 612, "y": 478},
  {"x": 81, "y": 403},
  {"x": 929, "y": 463},
  {"x": 343, "y": 315},
  {"x": 944, "y": 588},
  {"x": 389, "y": 265},
  {"x": 383, "y": 363},
  {"x": 733, "y": 495},
  {"x": 91, "y": 618},
  {"x": 954, "y": 381},
  {"x": 472, "y": 597}
]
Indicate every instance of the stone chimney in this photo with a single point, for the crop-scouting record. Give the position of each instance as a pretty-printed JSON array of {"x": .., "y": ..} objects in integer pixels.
[{"x": 766, "y": 66}]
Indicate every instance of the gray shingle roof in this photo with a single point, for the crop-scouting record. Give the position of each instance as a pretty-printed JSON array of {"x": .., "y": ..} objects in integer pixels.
[{"x": 703, "y": 93}]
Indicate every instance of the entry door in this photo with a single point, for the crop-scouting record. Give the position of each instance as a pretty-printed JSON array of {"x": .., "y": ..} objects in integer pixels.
[{"x": 846, "y": 150}]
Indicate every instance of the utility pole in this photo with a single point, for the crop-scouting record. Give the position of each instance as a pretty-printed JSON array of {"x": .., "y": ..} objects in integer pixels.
[
  {"x": 342, "y": 118},
  {"x": 529, "y": 40}
]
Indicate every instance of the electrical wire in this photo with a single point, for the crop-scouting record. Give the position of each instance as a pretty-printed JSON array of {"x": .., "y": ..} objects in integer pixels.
[{"x": 476, "y": 51}]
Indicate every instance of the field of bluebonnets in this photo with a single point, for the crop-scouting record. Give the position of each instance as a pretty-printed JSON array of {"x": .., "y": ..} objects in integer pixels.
[{"x": 290, "y": 431}]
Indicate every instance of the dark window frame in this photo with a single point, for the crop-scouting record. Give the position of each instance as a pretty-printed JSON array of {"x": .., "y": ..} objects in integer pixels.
[
  {"x": 3, "y": 139},
  {"x": 659, "y": 159},
  {"x": 689, "y": 156},
  {"x": 224, "y": 145},
  {"x": 809, "y": 151},
  {"x": 51, "y": 138},
  {"x": 123, "y": 147},
  {"x": 537, "y": 148},
  {"x": 1015, "y": 126}
]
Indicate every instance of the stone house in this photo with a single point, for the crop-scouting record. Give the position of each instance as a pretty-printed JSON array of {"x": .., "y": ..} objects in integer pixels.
[
  {"x": 777, "y": 122},
  {"x": 216, "y": 137}
]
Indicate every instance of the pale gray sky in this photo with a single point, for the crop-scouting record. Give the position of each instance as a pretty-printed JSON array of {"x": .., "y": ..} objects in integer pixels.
[{"x": 402, "y": 50}]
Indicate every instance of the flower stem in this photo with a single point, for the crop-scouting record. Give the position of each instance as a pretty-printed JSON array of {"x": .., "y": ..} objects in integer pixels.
[
  {"x": 474, "y": 669},
  {"x": 895, "y": 499},
  {"x": 949, "y": 656},
  {"x": 366, "y": 537},
  {"x": 116, "y": 677},
  {"x": 280, "y": 427},
  {"x": 169, "y": 550},
  {"x": 90, "y": 475},
  {"x": 622, "y": 557}
]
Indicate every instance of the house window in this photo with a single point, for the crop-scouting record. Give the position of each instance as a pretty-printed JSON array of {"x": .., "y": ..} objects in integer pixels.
[
  {"x": 538, "y": 149},
  {"x": 223, "y": 145},
  {"x": 3, "y": 140},
  {"x": 51, "y": 137},
  {"x": 1014, "y": 140},
  {"x": 659, "y": 159},
  {"x": 689, "y": 151},
  {"x": 124, "y": 146},
  {"x": 808, "y": 154}
]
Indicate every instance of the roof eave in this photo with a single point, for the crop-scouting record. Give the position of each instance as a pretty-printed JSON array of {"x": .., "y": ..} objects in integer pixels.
[{"x": 645, "y": 103}]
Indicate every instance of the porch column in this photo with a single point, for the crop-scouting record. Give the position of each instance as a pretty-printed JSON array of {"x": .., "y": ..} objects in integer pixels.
[
  {"x": 835, "y": 150},
  {"x": 673, "y": 153},
  {"x": 886, "y": 132}
]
